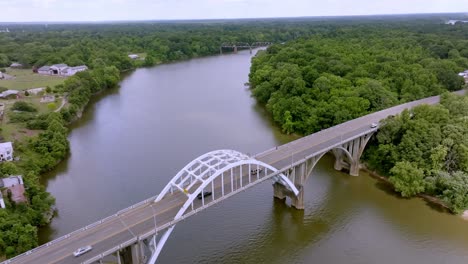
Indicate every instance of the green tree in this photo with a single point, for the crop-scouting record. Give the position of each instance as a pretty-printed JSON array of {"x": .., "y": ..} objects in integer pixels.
[{"x": 407, "y": 179}]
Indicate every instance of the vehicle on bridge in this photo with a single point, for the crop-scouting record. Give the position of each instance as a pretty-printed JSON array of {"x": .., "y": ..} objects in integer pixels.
[
  {"x": 204, "y": 194},
  {"x": 82, "y": 250},
  {"x": 373, "y": 125},
  {"x": 255, "y": 171}
]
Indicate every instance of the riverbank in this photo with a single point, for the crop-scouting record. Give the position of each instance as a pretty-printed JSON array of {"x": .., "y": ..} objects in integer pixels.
[{"x": 431, "y": 199}]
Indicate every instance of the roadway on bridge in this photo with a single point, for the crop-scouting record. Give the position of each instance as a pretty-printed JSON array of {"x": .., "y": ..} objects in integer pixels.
[{"x": 143, "y": 219}]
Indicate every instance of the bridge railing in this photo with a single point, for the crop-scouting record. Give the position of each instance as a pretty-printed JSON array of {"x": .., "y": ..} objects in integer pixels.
[{"x": 50, "y": 243}]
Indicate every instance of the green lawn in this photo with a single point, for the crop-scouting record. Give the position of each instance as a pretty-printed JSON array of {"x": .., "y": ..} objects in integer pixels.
[
  {"x": 26, "y": 79},
  {"x": 18, "y": 131}
]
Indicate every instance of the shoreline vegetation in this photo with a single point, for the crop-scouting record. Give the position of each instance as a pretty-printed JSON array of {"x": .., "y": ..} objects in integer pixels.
[
  {"x": 105, "y": 48},
  {"x": 314, "y": 83}
]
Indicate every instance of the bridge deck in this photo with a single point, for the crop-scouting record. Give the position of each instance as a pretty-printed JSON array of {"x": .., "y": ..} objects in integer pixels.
[{"x": 143, "y": 218}]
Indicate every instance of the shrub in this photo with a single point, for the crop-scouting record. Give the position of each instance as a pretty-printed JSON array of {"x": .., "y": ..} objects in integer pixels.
[{"x": 24, "y": 106}]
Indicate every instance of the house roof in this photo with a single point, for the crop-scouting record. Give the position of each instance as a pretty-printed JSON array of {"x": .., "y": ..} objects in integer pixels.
[
  {"x": 15, "y": 64},
  {"x": 8, "y": 92},
  {"x": 11, "y": 181},
  {"x": 81, "y": 67},
  {"x": 61, "y": 65},
  {"x": 5, "y": 146},
  {"x": 44, "y": 68}
]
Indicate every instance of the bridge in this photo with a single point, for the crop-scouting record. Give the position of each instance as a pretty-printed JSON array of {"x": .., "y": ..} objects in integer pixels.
[
  {"x": 242, "y": 45},
  {"x": 138, "y": 233}
]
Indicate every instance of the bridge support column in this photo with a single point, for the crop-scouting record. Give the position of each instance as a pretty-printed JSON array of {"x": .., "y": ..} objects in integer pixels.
[
  {"x": 136, "y": 253},
  {"x": 338, "y": 153},
  {"x": 126, "y": 255},
  {"x": 298, "y": 201},
  {"x": 279, "y": 191},
  {"x": 119, "y": 261},
  {"x": 348, "y": 156},
  {"x": 235, "y": 49}
]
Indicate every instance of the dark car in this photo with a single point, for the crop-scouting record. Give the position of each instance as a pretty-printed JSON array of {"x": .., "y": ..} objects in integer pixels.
[
  {"x": 205, "y": 194},
  {"x": 255, "y": 171}
]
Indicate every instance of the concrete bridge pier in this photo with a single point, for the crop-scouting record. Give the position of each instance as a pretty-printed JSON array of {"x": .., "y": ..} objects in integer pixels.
[
  {"x": 348, "y": 155},
  {"x": 125, "y": 255},
  {"x": 297, "y": 175}
]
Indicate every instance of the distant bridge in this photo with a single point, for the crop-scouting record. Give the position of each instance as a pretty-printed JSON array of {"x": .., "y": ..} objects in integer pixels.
[
  {"x": 234, "y": 46},
  {"x": 138, "y": 233}
]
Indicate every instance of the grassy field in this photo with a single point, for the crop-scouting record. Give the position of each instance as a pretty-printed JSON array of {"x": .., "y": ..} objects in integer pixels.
[
  {"x": 18, "y": 131},
  {"x": 26, "y": 79}
]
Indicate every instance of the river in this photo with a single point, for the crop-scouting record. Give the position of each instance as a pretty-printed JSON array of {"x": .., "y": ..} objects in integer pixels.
[{"x": 132, "y": 140}]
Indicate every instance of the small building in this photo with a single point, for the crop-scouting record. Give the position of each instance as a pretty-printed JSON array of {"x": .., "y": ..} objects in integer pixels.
[
  {"x": 58, "y": 69},
  {"x": 48, "y": 98},
  {"x": 15, "y": 185},
  {"x": 6, "y": 151},
  {"x": 133, "y": 56},
  {"x": 9, "y": 94},
  {"x": 61, "y": 70},
  {"x": 11, "y": 181},
  {"x": 35, "y": 91},
  {"x": 44, "y": 70},
  {"x": 16, "y": 65},
  {"x": 73, "y": 70}
]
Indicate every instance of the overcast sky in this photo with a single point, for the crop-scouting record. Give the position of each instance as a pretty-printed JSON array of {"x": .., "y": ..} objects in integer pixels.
[{"x": 98, "y": 10}]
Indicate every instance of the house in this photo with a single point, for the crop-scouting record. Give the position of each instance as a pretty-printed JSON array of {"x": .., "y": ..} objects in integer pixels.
[
  {"x": 58, "y": 69},
  {"x": 44, "y": 70},
  {"x": 2, "y": 202},
  {"x": 6, "y": 151},
  {"x": 133, "y": 56},
  {"x": 14, "y": 185},
  {"x": 16, "y": 65},
  {"x": 11, "y": 181},
  {"x": 61, "y": 70},
  {"x": 48, "y": 99},
  {"x": 35, "y": 91},
  {"x": 9, "y": 93},
  {"x": 73, "y": 70}
]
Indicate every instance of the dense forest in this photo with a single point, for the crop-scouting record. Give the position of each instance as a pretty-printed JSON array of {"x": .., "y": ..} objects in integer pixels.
[
  {"x": 321, "y": 72},
  {"x": 320, "y": 81},
  {"x": 425, "y": 150}
]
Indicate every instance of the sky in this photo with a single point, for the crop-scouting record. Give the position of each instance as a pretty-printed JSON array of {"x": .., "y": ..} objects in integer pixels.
[{"x": 105, "y": 10}]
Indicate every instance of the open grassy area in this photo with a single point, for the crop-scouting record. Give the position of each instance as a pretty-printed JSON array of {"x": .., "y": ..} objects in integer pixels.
[
  {"x": 18, "y": 131},
  {"x": 26, "y": 79}
]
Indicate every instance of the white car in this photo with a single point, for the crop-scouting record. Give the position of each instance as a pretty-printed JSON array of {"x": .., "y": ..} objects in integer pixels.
[
  {"x": 373, "y": 125},
  {"x": 82, "y": 250}
]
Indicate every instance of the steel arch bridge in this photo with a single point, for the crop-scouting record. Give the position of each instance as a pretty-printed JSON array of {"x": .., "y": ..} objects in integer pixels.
[{"x": 217, "y": 175}]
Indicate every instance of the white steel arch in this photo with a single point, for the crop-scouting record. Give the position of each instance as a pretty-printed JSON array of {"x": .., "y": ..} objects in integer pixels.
[
  {"x": 210, "y": 165},
  {"x": 202, "y": 172}
]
